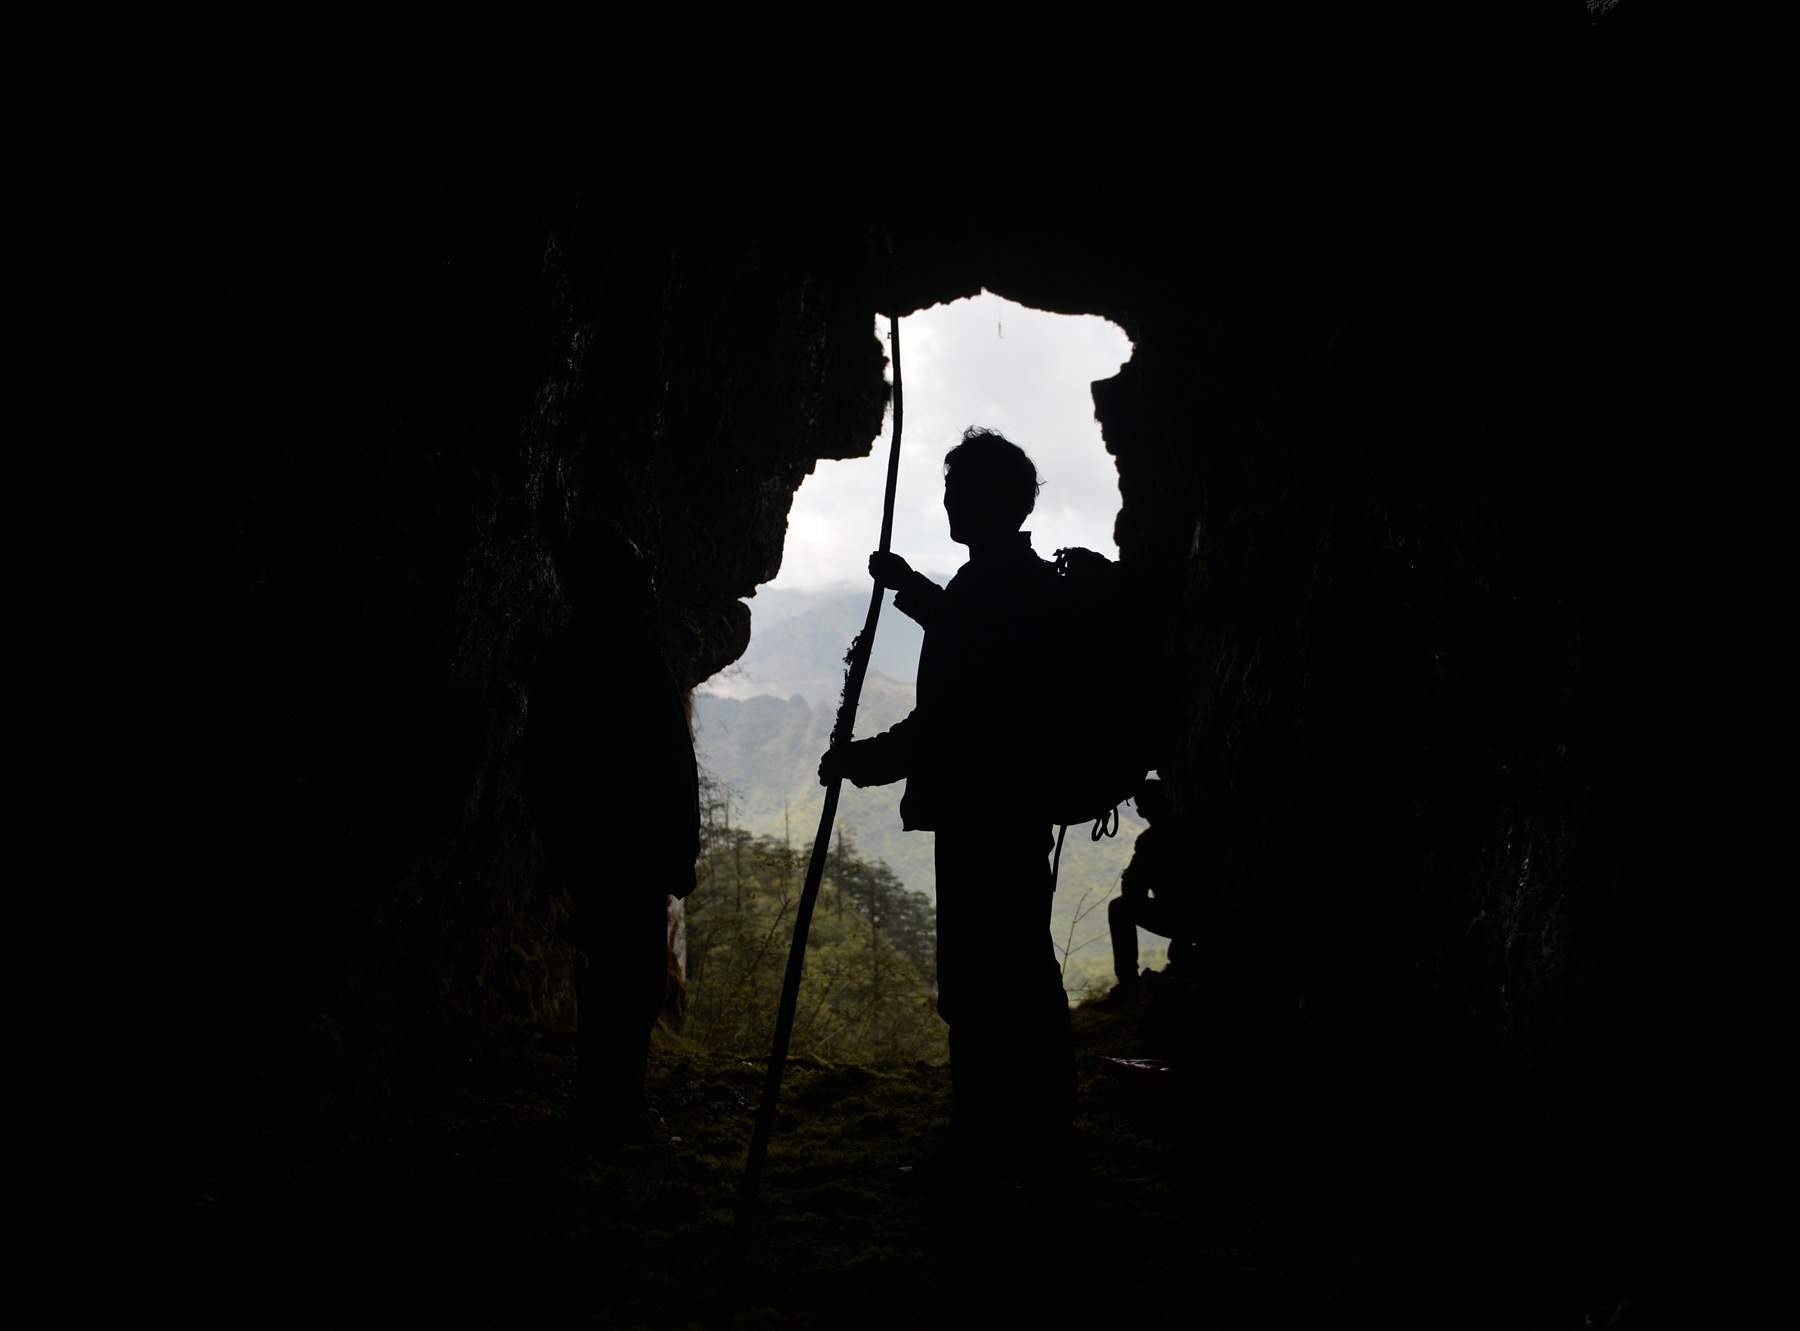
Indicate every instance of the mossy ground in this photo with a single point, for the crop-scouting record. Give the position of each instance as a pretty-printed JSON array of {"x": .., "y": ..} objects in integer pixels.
[{"x": 1207, "y": 1201}]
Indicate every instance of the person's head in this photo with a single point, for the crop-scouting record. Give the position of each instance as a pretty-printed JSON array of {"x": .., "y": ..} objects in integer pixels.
[
  {"x": 1151, "y": 800},
  {"x": 990, "y": 486}
]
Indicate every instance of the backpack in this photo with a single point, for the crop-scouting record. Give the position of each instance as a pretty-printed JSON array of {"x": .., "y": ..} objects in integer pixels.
[{"x": 1099, "y": 733}]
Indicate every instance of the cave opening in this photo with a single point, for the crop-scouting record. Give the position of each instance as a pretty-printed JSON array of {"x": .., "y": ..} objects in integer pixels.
[
  {"x": 761, "y": 724},
  {"x": 1449, "y": 645}
]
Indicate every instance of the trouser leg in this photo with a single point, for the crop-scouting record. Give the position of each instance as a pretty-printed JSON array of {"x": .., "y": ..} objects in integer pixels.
[{"x": 1000, "y": 990}]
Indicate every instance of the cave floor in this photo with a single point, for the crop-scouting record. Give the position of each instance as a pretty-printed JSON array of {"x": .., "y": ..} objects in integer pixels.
[{"x": 1274, "y": 1205}]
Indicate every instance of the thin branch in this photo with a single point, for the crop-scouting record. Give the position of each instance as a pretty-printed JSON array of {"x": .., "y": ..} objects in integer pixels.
[
  {"x": 1081, "y": 915},
  {"x": 1090, "y": 942}
]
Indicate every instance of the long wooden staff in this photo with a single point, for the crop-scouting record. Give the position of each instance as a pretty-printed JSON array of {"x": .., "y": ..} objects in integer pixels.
[{"x": 841, "y": 735}]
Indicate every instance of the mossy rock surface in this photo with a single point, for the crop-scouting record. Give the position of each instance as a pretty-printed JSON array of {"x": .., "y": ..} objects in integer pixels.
[{"x": 1227, "y": 1196}]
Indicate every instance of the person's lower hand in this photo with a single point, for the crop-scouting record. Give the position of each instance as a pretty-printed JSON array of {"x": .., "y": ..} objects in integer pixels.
[
  {"x": 889, "y": 570},
  {"x": 849, "y": 763}
]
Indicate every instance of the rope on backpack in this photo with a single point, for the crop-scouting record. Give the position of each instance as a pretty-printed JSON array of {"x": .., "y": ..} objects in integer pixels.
[{"x": 1107, "y": 824}]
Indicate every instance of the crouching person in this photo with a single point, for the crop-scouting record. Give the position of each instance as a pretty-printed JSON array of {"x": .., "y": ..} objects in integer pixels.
[{"x": 1153, "y": 895}]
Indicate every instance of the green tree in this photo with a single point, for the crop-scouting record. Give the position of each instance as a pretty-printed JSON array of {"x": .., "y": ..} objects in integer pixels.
[{"x": 867, "y": 993}]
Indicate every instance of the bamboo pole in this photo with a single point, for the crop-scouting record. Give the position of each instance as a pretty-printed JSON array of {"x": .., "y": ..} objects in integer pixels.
[{"x": 842, "y": 732}]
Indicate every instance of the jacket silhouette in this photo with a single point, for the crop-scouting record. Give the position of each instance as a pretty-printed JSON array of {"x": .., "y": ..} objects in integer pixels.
[{"x": 978, "y": 715}]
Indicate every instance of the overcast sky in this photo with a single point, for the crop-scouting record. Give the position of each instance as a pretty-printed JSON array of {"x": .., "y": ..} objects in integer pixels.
[{"x": 982, "y": 361}]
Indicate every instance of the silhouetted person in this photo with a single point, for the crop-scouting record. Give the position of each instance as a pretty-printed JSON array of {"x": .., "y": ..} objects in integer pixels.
[
  {"x": 965, "y": 752},
  {"x": 614, "y": 793},
  {"x": 1150, "y": 894}
]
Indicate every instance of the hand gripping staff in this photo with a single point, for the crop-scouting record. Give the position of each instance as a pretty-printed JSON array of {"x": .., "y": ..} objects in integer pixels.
[{"x": 841, "y": 733}]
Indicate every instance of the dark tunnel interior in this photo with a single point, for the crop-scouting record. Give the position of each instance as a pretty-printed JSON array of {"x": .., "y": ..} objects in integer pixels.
[{"x": 453, "y": 449}]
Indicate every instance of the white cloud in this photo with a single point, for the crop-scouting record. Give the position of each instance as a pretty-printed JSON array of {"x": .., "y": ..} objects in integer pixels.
[{"x": 982, "y": 361}]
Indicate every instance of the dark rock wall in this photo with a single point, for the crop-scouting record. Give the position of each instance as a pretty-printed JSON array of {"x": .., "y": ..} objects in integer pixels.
[
  {"x": 1419, "y": 368},
  {"x": 405, "y": 406}
]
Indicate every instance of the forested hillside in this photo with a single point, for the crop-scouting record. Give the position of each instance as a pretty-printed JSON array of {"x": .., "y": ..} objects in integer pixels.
[
  {"x": 764, "y": 753},
  {"x": 868, "y": 990}
]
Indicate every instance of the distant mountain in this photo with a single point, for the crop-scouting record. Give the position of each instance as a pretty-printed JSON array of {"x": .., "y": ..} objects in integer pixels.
[
  {"x": 766, "y": 751},
  {"x": 798, "y": 640}
]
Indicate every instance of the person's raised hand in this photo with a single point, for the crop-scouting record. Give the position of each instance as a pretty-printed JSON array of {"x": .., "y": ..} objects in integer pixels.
[
  {"x": 889, "y": 570},
  {"x": 833, "y": 765}
]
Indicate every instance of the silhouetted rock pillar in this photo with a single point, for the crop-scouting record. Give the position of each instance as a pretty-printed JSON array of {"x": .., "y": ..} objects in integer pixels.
[{"x": 615, "y": 794}]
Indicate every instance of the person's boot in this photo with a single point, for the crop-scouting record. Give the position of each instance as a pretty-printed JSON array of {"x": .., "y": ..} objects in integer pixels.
[{"x": 1124, "y": 994}]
